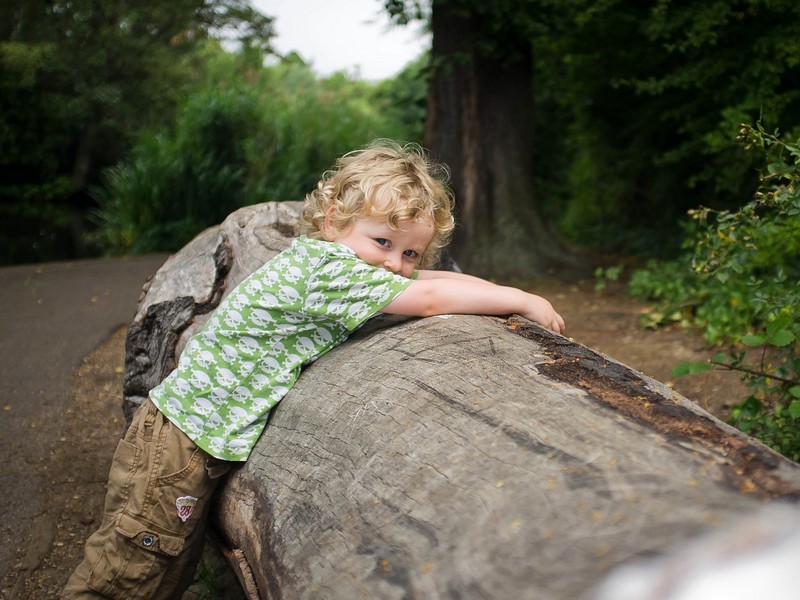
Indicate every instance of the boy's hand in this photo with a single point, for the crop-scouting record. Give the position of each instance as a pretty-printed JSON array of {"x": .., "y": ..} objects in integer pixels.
[
  {"x": 437, "y": 293},
  {"x": 543, "y": 313}
]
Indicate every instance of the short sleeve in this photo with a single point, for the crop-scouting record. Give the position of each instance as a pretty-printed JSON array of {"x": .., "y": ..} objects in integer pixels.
[{"x": 350, "y": 291}]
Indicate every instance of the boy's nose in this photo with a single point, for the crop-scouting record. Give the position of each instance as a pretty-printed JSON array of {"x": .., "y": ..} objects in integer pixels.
[{"x": 392, "y": 264}]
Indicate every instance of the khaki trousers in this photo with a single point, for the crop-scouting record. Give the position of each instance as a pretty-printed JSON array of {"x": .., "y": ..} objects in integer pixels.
[{"x": 151, "y": 535}]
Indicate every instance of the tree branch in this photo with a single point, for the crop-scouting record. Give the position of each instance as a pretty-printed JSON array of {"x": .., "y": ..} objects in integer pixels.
[{"x": 754, "y": 372}]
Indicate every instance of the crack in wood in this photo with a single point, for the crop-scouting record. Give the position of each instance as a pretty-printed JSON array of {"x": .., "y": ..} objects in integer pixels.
[{"x": 579, "y": 474}]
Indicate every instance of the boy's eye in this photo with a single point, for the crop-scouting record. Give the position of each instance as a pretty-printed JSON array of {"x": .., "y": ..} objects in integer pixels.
[
  {"x": 382, "y": 241},
  {"x": 410, "y": 253}
]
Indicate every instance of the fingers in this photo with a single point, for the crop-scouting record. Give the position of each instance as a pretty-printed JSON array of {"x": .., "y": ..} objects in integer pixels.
[
  {"x": 557, "y": 324},
  {"x": 562, "y": 327}
]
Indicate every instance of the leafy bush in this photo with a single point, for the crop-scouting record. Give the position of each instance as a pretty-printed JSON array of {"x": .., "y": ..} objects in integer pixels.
[
  {"x": 172, "y": 186},
  {"x": 250, "y": 134},
  {"x": 739, "y": 282},
  {"x": 636, "y": 102}
]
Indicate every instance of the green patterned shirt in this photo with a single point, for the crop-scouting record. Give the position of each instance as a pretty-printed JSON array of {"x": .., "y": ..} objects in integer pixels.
[{"x": 291, "y": 311}]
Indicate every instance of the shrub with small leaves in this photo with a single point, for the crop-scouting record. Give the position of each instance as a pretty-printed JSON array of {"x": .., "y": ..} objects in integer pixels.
[
  {"x": 604, "y": 275},
  {"x": 739, "y": 282}
]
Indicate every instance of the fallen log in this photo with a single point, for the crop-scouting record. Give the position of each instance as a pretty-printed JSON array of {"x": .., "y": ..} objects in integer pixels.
[{"x": 453, "y": 456}]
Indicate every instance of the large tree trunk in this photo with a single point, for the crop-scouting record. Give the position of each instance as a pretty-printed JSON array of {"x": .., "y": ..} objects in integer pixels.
[
  {"x": 480, "y": 122},
  {"x": 451, "y": 457}
]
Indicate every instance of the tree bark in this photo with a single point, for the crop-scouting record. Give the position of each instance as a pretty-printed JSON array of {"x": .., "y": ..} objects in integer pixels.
[
  {"x": 480, "y": 122},
  {"x": 454, "y": 456},
  {"x": 481, "y": 458}
]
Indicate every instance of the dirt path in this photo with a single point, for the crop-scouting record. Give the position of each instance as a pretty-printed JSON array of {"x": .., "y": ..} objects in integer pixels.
[
  {"x": 606, "y": 321},
  {"x": 51, "y": 316}
]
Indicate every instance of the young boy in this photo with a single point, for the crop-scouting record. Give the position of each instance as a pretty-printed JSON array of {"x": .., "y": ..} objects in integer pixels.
[{"x": 372, "y": 225}]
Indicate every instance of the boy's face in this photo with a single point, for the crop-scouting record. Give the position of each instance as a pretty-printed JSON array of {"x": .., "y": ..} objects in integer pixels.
[{"x": 396, "y": 250}]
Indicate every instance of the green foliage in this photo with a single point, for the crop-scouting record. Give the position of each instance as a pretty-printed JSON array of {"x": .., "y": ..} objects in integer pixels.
[
  {"x": 35, "y": 178},
  {"x": 634, "y": 104},
  {"x": 778, "y": 426},
  {"x": 604, "y": 275},
  {"x": 739, "y": 281},
  {"x": 307, "y": 122},
  {"x": 639, "y": 100},
  {"x": 214, "y": 579},
  {"x": 404, "y": 98},
  {"x": 251, "y": 134},
  {"x": 78, "y": 81},
  {"x": 172, "y": 186}
]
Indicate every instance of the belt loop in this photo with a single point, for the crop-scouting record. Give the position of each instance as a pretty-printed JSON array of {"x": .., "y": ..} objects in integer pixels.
[{"x": 152, "y": 414}]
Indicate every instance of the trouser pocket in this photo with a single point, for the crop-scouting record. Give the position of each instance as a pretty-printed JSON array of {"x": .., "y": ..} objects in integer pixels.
[{"x": 137, "y": 562}]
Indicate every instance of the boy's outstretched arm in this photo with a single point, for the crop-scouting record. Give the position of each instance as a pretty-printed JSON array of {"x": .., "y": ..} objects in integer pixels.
[
  {"x": 455, "y": 293},
  {"x": 429, "y": 274}
]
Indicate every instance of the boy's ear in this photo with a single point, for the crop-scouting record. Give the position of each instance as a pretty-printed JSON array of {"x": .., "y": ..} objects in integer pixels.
[{"x": 327, "y": 225}]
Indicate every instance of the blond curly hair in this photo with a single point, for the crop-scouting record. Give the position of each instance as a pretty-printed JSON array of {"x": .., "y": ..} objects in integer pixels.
[{"x": 385, "y": 180}]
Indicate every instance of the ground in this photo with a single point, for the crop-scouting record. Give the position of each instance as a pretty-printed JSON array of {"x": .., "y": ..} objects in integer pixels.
[{"x": 606, "y": 321}]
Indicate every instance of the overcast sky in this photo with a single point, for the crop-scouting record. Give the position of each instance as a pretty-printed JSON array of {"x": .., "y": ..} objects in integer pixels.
[{"x": 350, "y": 35}]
